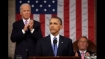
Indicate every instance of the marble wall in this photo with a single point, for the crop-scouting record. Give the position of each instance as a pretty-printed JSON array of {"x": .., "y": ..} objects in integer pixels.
[{"x": 11, "y": 19}]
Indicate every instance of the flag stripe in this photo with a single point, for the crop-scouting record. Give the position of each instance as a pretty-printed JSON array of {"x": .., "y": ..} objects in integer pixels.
[
  {"x": 60, "y": 13},
  {"x": 78, "y": 19},
  {"x": 18, "y": 17},
  {"x": 66, "y": 18},
  {"x": 47, "y": 18},
  {"x": 31, "y": 16},
  {"x": 77, "y": 16},
  {"x": 53, "y": 15},
  {"x": 42, "y": 21},
  {"x": 36, "y": 17},
  {"x": 84, "y": 18},
  {"x": 91, "y": 20},
  {"x": 72, "y": 24}
]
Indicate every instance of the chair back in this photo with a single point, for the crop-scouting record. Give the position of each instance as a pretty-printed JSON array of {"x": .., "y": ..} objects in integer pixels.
[{"x": 91, "y": 46}]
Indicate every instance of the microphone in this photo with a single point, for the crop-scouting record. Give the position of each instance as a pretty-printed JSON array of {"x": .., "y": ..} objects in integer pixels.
[{"x": 54, "y": 41}]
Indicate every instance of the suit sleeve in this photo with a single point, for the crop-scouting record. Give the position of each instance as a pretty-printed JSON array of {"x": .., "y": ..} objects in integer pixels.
[
  {"x": 37, "y": 34},
  {"x": 16, "y": 33},
  {"x": 71, "y": 51}
]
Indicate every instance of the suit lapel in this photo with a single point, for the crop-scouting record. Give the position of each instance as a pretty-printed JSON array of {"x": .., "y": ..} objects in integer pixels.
[
  {"x": 60, "y": 46},
  {"x": 79, "y": 54},
  {"x": 48, "y": 44},
  {"x": 21, "y": 24}
]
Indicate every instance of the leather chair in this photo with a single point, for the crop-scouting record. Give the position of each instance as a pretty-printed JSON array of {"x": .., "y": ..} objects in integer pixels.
[{"x": 91, "y": 46}]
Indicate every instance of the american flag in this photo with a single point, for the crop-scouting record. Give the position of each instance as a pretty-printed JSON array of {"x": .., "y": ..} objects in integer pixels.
[{"x": 78, "y": 16}]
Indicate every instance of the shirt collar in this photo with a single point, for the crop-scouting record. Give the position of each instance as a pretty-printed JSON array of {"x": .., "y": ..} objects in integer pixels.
[
  {"x": 52, "y": 36},
  {"x": 82, "y": 51},
  {"x": 25, "y": 20}
]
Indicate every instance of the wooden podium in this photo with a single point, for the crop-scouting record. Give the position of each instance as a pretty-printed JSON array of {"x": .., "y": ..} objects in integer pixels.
[{"x": 52, "y": 57}]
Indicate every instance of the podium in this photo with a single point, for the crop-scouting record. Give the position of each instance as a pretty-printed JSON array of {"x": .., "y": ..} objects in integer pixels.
[{"x": 52, "y": 57}]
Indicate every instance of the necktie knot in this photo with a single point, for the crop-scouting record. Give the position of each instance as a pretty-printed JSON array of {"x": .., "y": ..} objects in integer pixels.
[
  {"x": 55, "y": 38},
  {"x": 82, "y": 53}
]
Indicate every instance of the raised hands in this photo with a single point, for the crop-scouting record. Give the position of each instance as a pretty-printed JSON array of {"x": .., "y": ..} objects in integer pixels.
[{"x": 31, "y": 23}]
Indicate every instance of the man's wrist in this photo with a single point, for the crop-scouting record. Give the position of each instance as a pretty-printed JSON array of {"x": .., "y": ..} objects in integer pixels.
[
  {"x": 32, "y": 30},
  {"x": 23, "y": 31}
]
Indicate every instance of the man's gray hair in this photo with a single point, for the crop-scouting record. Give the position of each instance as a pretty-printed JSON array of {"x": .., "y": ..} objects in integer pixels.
[{"x": 25, "y": 4}]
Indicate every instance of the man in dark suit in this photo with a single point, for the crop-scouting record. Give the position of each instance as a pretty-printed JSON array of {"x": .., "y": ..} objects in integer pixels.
[
  {"x": 54, "y": 44},
  {"x": 25, "y": 33},
  {"x": 82, "y": 45}
]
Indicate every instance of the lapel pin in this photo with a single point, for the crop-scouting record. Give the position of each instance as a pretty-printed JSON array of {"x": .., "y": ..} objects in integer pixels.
[{"x": 61, "y": 42}]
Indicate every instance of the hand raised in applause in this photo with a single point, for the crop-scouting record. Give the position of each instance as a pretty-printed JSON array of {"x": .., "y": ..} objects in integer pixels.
[
  {"x": 76, "y": 54},
  {"x": 87, "y": 54},
  {"x": 26, "y": 27},
  {"x": 31, "y": 23}
]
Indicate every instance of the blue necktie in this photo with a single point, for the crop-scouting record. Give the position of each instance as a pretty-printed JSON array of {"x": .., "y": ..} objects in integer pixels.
[{"x": 55, "y": 47}]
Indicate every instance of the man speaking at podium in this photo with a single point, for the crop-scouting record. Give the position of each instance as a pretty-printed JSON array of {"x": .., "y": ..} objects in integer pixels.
[{"x": 54, "y": 44}]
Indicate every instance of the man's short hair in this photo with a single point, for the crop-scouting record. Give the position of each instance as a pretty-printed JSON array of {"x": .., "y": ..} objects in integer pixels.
[
  {"x": 58, "y": 19},
  {"x": 24, "y": 4},
  {"x": 84, "y": 37}
]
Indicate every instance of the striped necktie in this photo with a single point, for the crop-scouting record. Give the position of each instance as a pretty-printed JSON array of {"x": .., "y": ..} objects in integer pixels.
[
  {"x": 55, "y": 46},
  {"x": 83, "y": 55}
]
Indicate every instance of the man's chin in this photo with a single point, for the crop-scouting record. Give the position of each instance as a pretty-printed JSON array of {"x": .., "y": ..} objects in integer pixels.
[
  {"x": 52, "y": 32},
  {"x": 26, "y": 18},
  {"x": 83, "y": 49}
]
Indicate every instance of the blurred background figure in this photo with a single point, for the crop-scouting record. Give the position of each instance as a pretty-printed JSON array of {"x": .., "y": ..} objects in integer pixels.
[
  {"x": 25, "y": 33},
  {"x": 82, "y": 45}
]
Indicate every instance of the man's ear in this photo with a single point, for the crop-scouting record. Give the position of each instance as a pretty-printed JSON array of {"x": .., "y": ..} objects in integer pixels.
[{"x": 61, "y": 27}]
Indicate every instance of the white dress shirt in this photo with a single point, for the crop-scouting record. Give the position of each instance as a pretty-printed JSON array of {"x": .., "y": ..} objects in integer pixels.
[
  {"x": 52, "y": 38},
  {"x": 27, "y": 23},
  {"x": 82, "y": 51},
  {"x": 25, "y": 20}
]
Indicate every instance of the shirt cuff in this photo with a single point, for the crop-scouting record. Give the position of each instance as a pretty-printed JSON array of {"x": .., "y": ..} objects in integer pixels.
[
  {"x": 23, "y": 31},
  {"x": 32, "y": 30}
]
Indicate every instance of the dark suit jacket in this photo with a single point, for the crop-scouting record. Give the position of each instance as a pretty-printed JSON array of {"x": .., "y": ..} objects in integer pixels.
[
  {"x": 44, "y": 47},
  {"x": 25, "y": 41},
  {"x": 79, "y": 54}
]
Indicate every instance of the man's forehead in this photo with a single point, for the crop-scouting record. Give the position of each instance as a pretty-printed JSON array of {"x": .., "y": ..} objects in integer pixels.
[
  {"x": 82, "y": 39},
  {"x": 54, "y": 19}
]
